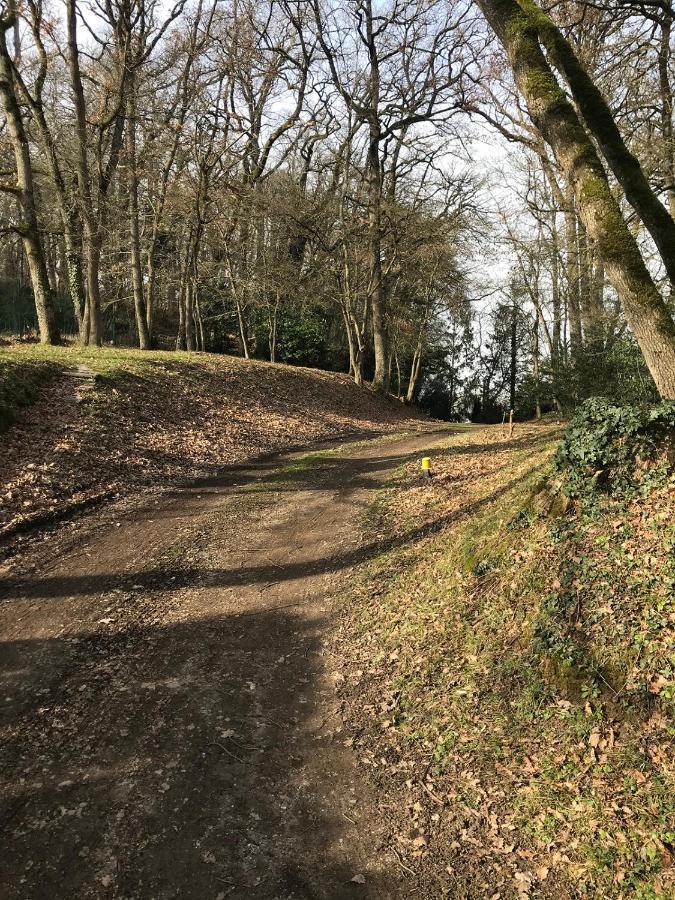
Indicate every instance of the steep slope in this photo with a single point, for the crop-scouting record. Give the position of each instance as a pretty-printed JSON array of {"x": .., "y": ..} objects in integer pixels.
[{"x": 102, "y": 423}]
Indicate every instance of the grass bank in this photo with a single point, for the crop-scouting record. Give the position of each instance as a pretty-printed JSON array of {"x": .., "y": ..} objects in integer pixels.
[
  {"x": 20, "y": 383},
  {"x": 514, "y": 695}
]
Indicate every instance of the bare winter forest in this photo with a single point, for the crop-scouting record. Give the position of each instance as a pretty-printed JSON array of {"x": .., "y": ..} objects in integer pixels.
[{"x": 468, "y": 202}]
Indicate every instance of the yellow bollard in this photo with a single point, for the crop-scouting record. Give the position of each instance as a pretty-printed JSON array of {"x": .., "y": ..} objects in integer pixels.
[{"x": 426, "y": 466}]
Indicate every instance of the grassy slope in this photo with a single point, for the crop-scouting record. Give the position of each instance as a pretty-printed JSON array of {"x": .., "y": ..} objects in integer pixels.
[
  {"x": 153, "y": 417},
  {"x": 524, "y": 662}
]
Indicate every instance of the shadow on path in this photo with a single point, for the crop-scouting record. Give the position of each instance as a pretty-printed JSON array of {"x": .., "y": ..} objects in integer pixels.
[
  {"x": 172, "y": 762},
  {"x": 172, "y": 579}
]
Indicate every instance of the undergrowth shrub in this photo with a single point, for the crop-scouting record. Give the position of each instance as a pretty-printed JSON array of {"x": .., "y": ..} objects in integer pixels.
[{"x": 614, "y": 449}]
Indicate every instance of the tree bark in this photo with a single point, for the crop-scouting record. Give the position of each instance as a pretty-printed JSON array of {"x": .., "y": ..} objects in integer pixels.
[
  {"x": 600, "y": 122},
  {"x": 513, "y": 366},
  {"x": 92, "y": 241},
  {"x": 180, "y": 336},
  {"x": 376, "y": 292},
  {"x": 556, "y": 329},
  {"x": 199, "y": 324},
  {"x": 592, "y": 313},
  {"x": 572, "y": 265},
  {"x": 272, "y": 318},
  {"x": 414, "y": 374},
  {"x": 92, "y": 260},
  {"x": 25, "y": 193},
  {"x": 536, "y": 369},
  {"x": 67, "y": 208},
  {"x": 556, "y": 119},
  {"x": 93, "y": 213},
  {"x": 134, "y": 232},
  {"x": 73, "y": 246},
  {"x": 666, "y": 91},
  {"x": 189, "y": 316}
]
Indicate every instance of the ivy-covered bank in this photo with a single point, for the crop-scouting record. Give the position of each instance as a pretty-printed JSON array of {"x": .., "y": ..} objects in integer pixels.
[
  {"x": 518, "y": 660},
  {"x": 616, "y": 451}
]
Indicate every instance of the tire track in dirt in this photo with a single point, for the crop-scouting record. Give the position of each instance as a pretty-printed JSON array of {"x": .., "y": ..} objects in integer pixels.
[{"x": 170, "y": 726}]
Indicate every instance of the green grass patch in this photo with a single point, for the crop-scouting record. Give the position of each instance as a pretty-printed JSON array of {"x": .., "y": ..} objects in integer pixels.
[{"x": 532, "y": 660}]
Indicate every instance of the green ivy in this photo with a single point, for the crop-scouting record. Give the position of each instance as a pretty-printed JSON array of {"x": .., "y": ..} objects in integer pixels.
[{"x": 604, "y": 445}]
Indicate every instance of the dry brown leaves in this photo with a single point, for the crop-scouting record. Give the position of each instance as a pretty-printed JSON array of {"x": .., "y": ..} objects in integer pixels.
[{"x": 157, "y": 421}]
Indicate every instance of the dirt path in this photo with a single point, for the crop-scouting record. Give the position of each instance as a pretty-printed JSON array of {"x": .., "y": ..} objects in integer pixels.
[{"x": 169, "y": 721}]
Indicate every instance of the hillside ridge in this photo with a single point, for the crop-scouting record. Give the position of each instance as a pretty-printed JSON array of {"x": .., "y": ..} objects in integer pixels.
[{"x": 141, "y": 419}]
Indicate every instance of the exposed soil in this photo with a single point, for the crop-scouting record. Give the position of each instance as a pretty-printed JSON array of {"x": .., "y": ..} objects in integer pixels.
[
  {"x": 115, "y": 422},
  {"x": 170, "y": 721}
]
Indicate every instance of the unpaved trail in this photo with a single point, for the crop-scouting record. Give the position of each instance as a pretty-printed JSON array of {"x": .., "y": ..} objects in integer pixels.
[{"x": 169, "y": 720}]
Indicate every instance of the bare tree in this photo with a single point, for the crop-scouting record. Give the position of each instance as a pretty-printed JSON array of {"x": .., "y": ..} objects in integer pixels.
[
  {"x": 24, "y": 189},
  {"x": 394, "y": 66}
]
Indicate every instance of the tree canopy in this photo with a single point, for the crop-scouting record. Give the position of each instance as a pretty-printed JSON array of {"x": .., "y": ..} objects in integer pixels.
[{"x": 468, "y": 204}]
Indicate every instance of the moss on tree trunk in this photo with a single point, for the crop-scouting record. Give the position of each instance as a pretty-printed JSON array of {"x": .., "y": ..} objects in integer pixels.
[
  {"x": 556, "y": 119},
  {"x": 600, "y": 122}
]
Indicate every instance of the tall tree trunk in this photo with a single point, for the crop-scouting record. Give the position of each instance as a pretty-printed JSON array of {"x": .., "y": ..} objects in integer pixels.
[
  {"x": 531, "y": 20},
  {"x": 134, "y": 232},
  {"x": 592, "y": 312},
  {"x": 66, "y": 202},
  {"x": 413, "y": 378},
  {"x": 189, "y": 316},
  {"x": 398, "y": 374},
  {"x": 572, "y": 265},
  {"x": 92, "y": 257},
  {"x": 536, "y": 363},
  {"x": 645, "y": 309},
  {"x": 273, "y": 316},
  {"x": 150, "y": 290},
  {"x": 25, "y": 193},
  {"x": 181, "y": 337},
  {"x": 199, "y": 324},
  {"x": 585, "y": 274},
  {"x": 192, "y": 267},
  {"x": 90, "y": 330},
  {"x": 75, "y": 274},
  {"x": 355, "y": 333},
  {"x": 513, "y": 361},
  {"x": 243, "y": 330},
  {"x": 556, "y": 330},
  {"x": 416, "y": 364},
  {"x": 415, "y": 367},
  {"x": 92, "y": 213},
  {"x": 50, "y": 262},
  {"x": 666, "y": 91},
  {"x": 49, "y": 333},
  {"x": 375, "y": 288},
  {"x": 349, "y": 336},
  {"x": 598, "y": 293}
]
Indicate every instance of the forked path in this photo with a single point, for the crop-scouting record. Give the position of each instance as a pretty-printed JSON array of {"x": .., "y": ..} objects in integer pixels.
[{"x": 170, "y": 727}]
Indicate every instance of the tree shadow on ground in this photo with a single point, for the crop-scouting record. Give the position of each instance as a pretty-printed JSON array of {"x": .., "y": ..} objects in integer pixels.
[
  {"x": 182, "y": 760},
  {"x": 170, "y": 579},
  {"x": 172, "y": 762}
]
